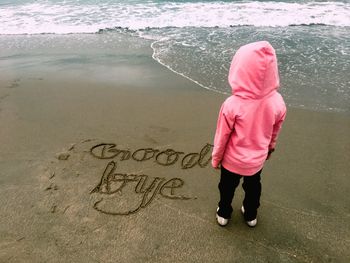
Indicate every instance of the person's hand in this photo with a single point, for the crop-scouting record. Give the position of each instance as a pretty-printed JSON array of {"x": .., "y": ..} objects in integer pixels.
[
  {"x": 269, "y": 154},
  {"x": 218, "y": 167}
]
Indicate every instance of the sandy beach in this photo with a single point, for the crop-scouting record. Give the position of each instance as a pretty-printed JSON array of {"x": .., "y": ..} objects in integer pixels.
[{"x": 80, "y": 145}]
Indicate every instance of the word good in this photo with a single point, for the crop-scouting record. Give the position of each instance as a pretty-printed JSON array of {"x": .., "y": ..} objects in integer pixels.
[
  {"x": 165, "y": 158},
  {"x": 112, "y": 182}
]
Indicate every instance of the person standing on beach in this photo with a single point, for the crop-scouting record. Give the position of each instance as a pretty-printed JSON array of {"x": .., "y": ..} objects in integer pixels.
[{"x": 247, "y": 128}]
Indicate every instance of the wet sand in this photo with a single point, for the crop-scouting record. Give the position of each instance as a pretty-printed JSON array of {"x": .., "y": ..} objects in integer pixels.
[{"x": 152, "y": 196}]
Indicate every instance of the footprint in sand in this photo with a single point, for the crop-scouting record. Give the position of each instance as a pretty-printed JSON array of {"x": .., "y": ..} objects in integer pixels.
[{"x": 14, "y": 84}]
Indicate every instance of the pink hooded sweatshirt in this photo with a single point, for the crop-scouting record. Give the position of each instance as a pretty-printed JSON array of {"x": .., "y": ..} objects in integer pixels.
[{"x": 249, "y": 120}]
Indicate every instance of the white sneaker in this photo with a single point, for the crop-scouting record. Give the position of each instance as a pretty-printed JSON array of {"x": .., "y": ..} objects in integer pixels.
[
  {"x": 221, "y": 221},
  {"x": 251, "y": 223}
]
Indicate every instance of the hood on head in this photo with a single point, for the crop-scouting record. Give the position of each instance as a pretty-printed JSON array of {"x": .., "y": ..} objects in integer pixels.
[{"x": 254, "y": 73}]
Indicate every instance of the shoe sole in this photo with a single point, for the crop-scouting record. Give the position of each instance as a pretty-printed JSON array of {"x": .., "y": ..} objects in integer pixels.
[
  {"x": 242, "y": 211},
  {"x": 217, "y": 216},
  {"x": 218, "y": 221}
]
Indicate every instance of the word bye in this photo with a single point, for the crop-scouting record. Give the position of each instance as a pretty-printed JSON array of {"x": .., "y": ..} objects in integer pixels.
[{"x": 112, "y": 182}]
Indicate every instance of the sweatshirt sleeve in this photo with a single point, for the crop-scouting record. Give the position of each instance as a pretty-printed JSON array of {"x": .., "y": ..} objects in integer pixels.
[
  {"x": 276, "y": 129},
  {"x": 224, "y": 128}
]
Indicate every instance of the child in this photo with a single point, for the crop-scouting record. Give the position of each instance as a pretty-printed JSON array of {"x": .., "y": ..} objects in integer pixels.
[{"x": 247, "y": 128}]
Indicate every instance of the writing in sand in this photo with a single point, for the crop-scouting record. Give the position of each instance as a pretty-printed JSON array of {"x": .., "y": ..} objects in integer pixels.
[
  {"x": 161, "y": 157},
  {"x": 144, "y": 186}
]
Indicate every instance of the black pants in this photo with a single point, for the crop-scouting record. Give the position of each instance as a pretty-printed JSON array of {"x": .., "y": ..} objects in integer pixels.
[{"x": 252, "y": 188}]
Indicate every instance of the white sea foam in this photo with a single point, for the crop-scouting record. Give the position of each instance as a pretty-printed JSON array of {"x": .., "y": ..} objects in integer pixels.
[{"x": 63, "y": 18}]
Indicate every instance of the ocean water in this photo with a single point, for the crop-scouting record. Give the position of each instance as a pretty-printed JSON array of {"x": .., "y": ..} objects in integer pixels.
[{"x": 197, "y": 39}]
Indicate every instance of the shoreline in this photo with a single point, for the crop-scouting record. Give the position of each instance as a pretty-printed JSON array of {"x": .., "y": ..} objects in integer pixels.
[
  {"x": 180, "y": 74},
  {"x": 55, "y": 46}
]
